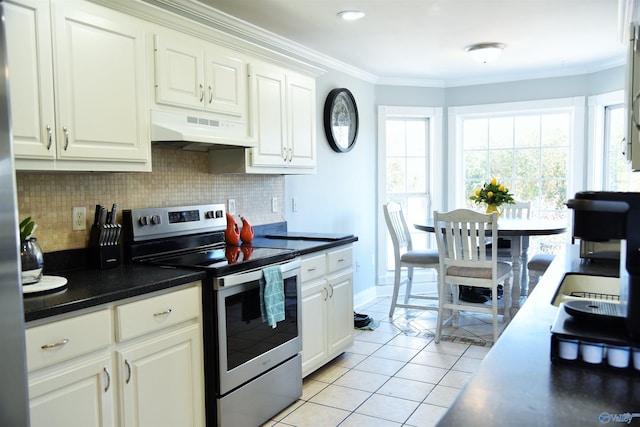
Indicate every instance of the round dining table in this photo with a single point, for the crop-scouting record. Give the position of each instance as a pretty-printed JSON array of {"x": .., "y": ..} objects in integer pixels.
[{"x": 518, "y": 232}]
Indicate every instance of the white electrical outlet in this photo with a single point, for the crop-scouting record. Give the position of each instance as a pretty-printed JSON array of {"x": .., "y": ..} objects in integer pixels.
[
  {"x": 274, "y": 204},
  {"x": 231, "y": 206},
  {"x": 79, "y": 219}
]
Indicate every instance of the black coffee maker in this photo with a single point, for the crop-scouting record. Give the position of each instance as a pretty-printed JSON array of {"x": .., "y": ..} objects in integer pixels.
[{"x": 604, "y": 216}]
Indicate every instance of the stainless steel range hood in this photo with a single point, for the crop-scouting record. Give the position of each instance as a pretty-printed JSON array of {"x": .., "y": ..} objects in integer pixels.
[{"x": 197, "y": 132}]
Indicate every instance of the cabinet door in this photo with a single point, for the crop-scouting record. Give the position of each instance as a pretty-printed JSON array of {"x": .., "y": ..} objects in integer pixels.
[
  {"x": 340, "y": 312},
  {"x": 226, "y": 84},
  {"x": 179, "y": 72},
  {"x": 314, "y": 325},
  {"x": 161, "y": 380},
  {"x": 99, "y": 69},
  {"x": 77, "y": 395},
  {"x": 269, "y": 110},
  {"x": 28, "y": 30},
  {"x": 301, "y": 101}
]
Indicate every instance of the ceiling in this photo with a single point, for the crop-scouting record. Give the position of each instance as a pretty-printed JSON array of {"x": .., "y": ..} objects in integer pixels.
[{"x": 422, "y": 42}]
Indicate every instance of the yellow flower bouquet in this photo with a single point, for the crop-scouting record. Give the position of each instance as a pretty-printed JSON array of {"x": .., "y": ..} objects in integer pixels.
[{"x": 493, "y": 193}]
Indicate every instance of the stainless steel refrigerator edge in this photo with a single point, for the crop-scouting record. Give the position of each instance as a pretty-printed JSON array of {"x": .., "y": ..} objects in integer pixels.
[{"x": 14, "y": 407}]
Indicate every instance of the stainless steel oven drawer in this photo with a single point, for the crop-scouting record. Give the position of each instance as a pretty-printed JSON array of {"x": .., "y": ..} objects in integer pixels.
[{"x": 257, "y": 401}]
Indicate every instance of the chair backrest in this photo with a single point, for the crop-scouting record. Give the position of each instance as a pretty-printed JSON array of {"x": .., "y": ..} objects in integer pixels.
[
  {"x": 462, "y": 236},
  {"x": 519, "y": 210},
  {"x": 397, "y": 227}
]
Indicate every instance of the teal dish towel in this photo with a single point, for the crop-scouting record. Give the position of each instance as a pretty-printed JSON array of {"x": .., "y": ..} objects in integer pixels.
[{"x": 272, "y": 296}]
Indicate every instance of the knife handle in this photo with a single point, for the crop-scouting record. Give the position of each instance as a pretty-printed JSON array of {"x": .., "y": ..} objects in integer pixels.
[
  {"x": 103, "y": 216},
  {"x": 114, "y": 213},
  {"x": 96, "y": 216}
]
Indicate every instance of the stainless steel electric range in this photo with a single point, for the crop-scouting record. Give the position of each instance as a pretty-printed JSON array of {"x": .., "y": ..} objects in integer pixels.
[{"x": 252, "y": 370}]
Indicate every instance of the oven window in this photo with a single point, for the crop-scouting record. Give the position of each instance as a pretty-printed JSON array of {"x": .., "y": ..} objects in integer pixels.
[{"x": 247, "y": 335}]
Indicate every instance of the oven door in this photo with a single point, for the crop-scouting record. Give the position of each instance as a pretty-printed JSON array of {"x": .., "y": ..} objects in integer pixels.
[{"x": 247, "y": 346}]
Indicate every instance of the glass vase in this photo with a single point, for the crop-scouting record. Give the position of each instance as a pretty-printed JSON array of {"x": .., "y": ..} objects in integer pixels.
[{"x": 32, "y": 261}]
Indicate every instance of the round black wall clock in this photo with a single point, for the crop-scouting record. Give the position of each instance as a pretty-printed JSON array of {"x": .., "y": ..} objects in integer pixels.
[{"x": 341, "y": 120}]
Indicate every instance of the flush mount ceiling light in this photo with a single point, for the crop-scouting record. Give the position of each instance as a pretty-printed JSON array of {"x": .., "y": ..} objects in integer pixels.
[
  {"x": 351, "y": 15},
  {"x": 485, "y": 52}
]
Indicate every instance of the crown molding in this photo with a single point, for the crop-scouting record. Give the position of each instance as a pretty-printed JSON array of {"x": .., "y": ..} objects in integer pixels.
[{"x": 257, "y": 36}]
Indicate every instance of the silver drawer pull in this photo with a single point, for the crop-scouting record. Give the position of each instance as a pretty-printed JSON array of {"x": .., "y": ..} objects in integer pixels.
[
  {"x": 108, "y": 374},
  {"x": 311, "y": 269},
  {"x": 128, "y": 366},
  {"x": 54, "y": 345},
  {"x": 66, "y": 137},
  {"x": 50, "y": 137},
  {"x": 162, "y": 313},
  {"x": 341, "y": 260}
]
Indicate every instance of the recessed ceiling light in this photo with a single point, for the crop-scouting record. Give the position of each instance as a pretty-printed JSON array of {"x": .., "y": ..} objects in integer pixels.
[
  {"x": 351, "y": 15},
  {"x": 485, "y": 52}
]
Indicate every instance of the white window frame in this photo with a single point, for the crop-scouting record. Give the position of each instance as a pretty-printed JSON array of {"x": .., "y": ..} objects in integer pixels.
[
  {"x": 596, "y": 136},
  {"x": 435, "y": 154},
  {"x": 577, "y": 152}
]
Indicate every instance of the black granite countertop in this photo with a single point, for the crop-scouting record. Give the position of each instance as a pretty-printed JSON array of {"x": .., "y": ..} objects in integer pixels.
[
  {"x": 517, "y": 385},
  {"x": 304, "y": 247},
  {"x": 90, "y": 287}
]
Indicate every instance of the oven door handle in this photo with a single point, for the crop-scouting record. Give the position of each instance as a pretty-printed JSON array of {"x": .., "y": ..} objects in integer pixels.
[{"x": 251, "y": 276}]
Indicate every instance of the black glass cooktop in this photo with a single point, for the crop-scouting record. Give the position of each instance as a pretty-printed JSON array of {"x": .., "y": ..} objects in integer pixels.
[{"x": 226, "y": 260}]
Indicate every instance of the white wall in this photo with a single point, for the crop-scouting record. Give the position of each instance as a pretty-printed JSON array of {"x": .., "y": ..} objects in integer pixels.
[{"x": 341, "y": 197}]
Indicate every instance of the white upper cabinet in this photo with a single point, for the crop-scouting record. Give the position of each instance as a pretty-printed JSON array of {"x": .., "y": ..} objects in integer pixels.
[
  {"x": 78, "y": 97},
  {"x": 283, "y": 111},
  {"x": 192, "y": 73},
  {"x": 31, "y": 78}
]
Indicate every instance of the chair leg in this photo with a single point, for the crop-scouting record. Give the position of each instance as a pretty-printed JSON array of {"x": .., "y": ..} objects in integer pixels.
[
  {"x": 506, "y": 300},
  {"x": 494, "y": 309},
  {"x": 407, "y": 291},
  {"x": 534, "y": 276},
  {"x": 441, "y": 297},
  {"x": 396, "y": 289}
]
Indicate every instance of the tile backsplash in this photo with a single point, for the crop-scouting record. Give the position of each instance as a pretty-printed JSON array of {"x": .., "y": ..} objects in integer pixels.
[{"x": 178, "y": 178}]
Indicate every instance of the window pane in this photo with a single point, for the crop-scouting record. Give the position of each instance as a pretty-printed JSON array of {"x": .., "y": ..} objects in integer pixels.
[
  {"x": 527, "y": 163},
  {"x": 555, "y": 130},
  {"x": 501, "y": 164},
  {"x": 416, "y": 136},
  {"x": 475, "y": 133},
  {"x": 396, "y": 174},
  {"x": 527, "y": 131},
  {"x": 395, "y": 138},
  {"x": 554, "y": 163},
  {"x": 476, "y": 164},
  {"x": 501, "y": 132},
  {"x": 416, "y": 175}
]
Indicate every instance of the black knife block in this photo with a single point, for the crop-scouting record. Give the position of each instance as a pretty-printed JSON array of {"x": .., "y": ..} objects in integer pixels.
[{"x": 103, "y": 256}]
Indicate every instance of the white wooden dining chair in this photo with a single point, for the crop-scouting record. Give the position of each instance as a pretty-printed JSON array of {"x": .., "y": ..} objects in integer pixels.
[
  {"x": 518, "y": 210},
  {"x": 405, "y": 256},
  {"x": 462, "y": 237}
]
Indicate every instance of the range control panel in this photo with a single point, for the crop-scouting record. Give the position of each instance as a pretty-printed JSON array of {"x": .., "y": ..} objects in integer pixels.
[{"x": 155, "y": 223}]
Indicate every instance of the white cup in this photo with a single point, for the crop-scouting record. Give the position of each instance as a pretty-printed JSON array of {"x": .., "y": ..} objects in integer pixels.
[
  {"x": 568, "y": 349},
  {"x": 636, "y": 358},
  {"x": 591, "y": 352},
  {"x": 618, "y": 356}
]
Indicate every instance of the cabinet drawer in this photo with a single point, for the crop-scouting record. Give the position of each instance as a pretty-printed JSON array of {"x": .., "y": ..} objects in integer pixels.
[
  {"x": 65, "y": 339},
  {"x": 312, "y": 268},
  {"x": 337, "y": 260},
  {"x": 149, "y": 315}
]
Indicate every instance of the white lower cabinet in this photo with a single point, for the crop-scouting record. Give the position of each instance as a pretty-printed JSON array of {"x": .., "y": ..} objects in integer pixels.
[
  {"x": 132, "y": 363},
  {"x": 327, "y": 306},
  {"x": 74, "y": 395},
  {"x": 161, "y": 380}
]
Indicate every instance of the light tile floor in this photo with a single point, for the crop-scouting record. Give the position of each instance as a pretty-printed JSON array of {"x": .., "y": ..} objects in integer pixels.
[{"x": 395, "y": 375}]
